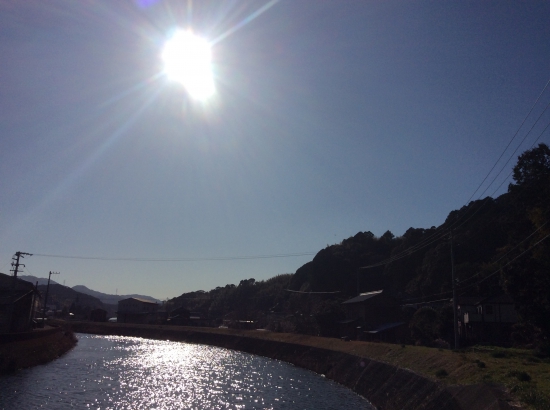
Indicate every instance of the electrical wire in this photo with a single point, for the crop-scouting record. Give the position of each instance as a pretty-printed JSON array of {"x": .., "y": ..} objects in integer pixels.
[
  {"x": 462, "y": 288},
  {"x": 509, "y": 143},
  {"x": 311, "y": 293},
  {"x": 502, "y": 267},
  {"x": 509, "y": 251},
  {"x": 215, "y": 258},
  {"x": 439, "y": 235}
]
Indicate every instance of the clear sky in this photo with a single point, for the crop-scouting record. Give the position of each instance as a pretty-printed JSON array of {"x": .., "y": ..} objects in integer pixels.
[{"x": 329, "y": 118}]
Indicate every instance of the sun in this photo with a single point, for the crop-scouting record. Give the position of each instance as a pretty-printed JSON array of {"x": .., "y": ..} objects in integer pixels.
[{"x": 188, "y": 60}]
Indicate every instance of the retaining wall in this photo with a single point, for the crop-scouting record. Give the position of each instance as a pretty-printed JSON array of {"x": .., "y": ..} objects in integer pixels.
[
  {"x": 22, "y": 350},
  {"x": 387, "y": 387}
]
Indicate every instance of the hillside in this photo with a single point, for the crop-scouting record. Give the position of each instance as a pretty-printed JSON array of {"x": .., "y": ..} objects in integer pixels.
[
  {"x": 110, "y": 299},
  {"x": 499, "y": 245},
  {"x": 34, "y": 279},
  {"x": 69, "y": 299}
]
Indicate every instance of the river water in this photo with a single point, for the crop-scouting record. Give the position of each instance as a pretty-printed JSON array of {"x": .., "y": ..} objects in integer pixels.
[{"x": 114, "y": 372}]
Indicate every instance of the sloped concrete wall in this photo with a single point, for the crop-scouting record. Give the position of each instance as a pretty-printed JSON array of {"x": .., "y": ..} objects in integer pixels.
[
  {"x": 387, "y": 387},
  {"x": 33, "y": 348}
]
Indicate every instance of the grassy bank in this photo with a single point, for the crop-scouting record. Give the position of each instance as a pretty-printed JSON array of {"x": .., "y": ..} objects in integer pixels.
[
  {"x": 525, "y": 376},
  {"x": 22, "y": 354}
]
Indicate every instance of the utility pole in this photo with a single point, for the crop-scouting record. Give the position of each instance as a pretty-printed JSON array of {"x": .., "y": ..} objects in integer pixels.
[
  {"x": 455, "y": 313},
  {"x": 46, "y": 298},
  {"x": 16, "y": 264}
]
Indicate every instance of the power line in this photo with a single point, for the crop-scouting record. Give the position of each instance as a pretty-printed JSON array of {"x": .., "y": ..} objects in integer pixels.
[
  {"x": 426, "y": 301},
  {"x": 509, "y": 143},
  {"x": 215, "y": 258},
  {"x": 311, "y": 293},
  {"x": 462, "y": 288},
  {"x": 506, "y": 254},
  {"x": 519, "y": 145},
  {"x": 502, "y": 267},
  {"x": 436, "y": 236}
]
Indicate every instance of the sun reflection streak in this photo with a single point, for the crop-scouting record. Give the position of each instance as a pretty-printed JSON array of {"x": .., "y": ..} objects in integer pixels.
[
  {"x": 243, "y": 23},
  {"x": 92, "y": 158},
  {"x": 130, "y": 90}
]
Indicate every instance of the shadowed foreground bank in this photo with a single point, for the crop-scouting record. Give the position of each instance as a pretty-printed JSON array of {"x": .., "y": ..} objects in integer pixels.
[
  {"x": 22, "y": 350},
  {"x": 385, "y": 385}
]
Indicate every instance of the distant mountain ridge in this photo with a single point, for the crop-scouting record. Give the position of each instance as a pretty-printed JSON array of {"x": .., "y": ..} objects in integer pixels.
[
  {"x": 34, "y": 279},
  {"x": 111, "y": 299},
  {"x": 103, "y": 297}
]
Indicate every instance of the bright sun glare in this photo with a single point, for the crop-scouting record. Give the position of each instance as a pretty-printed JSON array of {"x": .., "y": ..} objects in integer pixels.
[{"x": 187, "y": 59}]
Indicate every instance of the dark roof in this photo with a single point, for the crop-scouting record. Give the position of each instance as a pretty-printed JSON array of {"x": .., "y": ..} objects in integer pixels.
[
  {"x": 125, "y": 312},
  {"x": 348, "y": 321},
  {"x": 179, "y": 310},
  {"x": 498, "y": 299},
  {"x": 385, "y": 326},
  {"x": 139, "y": 300},
  {"x": 469, "y": 300},
  {"x": 362, "y": 297}
]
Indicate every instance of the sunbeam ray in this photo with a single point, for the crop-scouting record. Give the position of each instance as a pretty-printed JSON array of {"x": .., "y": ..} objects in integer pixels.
[
  {"x": 243, "y": 23},
  {"x": 71, "y": 179},
  {"x": 131, "y": 90}
]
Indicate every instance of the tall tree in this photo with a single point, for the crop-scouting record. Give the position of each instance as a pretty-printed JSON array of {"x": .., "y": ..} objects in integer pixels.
[{"x": 527, "y": 278}]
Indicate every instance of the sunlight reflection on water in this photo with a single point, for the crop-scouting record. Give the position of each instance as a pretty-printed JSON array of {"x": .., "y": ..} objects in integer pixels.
[{"x": 112, "y": 372}]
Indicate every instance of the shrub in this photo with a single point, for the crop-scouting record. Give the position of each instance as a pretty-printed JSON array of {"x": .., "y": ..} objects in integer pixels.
[
  {"x": 480, "y": 364},
  {"x": 498, "y": 354},
  {"x": 528, "y": 394},
  {"x": 441, "y": 373},
  {"x": 520, "y": 375},
  {"x": 425, "y": 326},
  {"x": 442, "y": 344}
]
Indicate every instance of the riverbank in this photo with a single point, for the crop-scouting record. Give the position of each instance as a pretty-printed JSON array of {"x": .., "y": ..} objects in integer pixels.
[
  {"x": 23, "y": 350},
  {"x": 389, "y": 376}
]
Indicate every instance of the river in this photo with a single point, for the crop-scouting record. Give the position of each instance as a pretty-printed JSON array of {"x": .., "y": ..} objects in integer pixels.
[{"x": 115, "y": 372}]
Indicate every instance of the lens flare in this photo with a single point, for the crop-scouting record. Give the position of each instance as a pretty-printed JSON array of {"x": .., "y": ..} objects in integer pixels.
[{"x": 188, "y": 60}]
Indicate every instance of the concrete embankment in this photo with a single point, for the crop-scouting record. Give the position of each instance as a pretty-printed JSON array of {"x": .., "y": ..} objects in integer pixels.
[
  {"x": 22, "y": 350},
  {"x": 386, "y": 386}
]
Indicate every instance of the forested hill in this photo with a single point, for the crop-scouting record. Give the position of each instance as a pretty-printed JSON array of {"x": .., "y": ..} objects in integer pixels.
[
  {"x": 499, "y": 245},
  {"x": 417, "y": 264}
]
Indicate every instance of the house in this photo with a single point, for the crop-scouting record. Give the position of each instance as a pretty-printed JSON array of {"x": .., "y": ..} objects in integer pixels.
[
  {"x": 373, "y": 316},
  {"x": 200, "y": 320},
  {"x": 487, "y": 320},
  {"x": 17, "y": 303},
  {"x": 136, "y": 310},
  {"x": 179, "y": 317}
]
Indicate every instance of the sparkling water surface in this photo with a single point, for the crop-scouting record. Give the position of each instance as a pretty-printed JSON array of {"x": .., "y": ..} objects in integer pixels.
[{"x": 115, "y": 372}]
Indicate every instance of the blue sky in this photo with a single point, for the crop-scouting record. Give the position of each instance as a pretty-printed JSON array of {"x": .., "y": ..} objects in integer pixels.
[{"x": 329, "y": 118}]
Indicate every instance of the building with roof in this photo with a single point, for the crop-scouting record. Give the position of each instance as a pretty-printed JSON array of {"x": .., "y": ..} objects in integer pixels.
[
  {"x": 136, "y": 310},
  {"x": 487, "y": 319},
  {"x": 373, "y": 316},
  {"x": 179, "y": 316}
]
